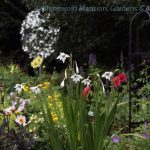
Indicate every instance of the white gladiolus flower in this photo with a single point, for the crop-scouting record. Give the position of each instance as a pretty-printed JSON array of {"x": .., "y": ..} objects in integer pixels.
[
  {"x": 98, "y": 75},
  {"x": 101, "y": 83},
  {"x": 35, "y": 89},
  {"x": 77, "y": 69},
  {"x": 86, "y": 82},
  {"x": 107, "y": 75},
  {"x": 76, "y": 78},
  {"x": 63, "y": 57},
  {"x": 18, "y": 88},
  {"x": 90, "y": 113},
  {"x": 65, "y": 74},
  {"x": 62, "y": 85}
]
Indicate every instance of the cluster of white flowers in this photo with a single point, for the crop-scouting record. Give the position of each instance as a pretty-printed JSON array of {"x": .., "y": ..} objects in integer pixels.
[
  {"x": 75, "y": 77},
  {"x": 38, "y": 37}
]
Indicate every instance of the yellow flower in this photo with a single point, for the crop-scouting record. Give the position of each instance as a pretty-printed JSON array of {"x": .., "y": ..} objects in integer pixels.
[
  {"x": 60, "y": 105},
  {"x": 34, "y": 64},
  {"x": 56, "y": 96},
  {"x": 46, "y": 85},
  {"x": 54, "y": 117},
  {"x": 50, "y": 98},
  {"x": 50, "y": 105},
  {"x": 39, "y": 59},
  {"x": 37, "y": 62},
  {"x": 25, "y": 87},
  {"x": 40, "y": 85}
]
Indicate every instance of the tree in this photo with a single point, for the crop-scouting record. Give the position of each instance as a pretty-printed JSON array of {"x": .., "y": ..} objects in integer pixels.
[{"x": 12, "y": 12}]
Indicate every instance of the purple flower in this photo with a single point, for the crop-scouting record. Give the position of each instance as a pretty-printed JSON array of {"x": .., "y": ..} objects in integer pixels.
[
  {"x": 145, "y": 124},
  {"x": 92, "y": 59},
  {"x": 145, "y": 135},
  {"x": 115, "y": 138}
]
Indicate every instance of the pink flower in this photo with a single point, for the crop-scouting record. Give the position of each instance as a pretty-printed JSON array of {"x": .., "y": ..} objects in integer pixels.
[
  {"x": 116, "y": 81},
  {"x": 86, "y": 90},
  {"x": 9, "y": 110},
  {"x": 21, "y": 120},
  {"x": 123, "y": 78}
]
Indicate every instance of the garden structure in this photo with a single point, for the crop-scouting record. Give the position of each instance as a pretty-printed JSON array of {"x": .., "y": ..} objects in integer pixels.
[{"x": 135, "y": 57}]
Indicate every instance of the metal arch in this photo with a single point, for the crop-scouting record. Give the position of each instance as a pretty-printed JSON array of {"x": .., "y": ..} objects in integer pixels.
[{"x": 130, "y": 57}]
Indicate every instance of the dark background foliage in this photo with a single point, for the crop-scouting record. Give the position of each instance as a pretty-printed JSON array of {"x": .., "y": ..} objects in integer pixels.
[{"x": 104, "y": 33}]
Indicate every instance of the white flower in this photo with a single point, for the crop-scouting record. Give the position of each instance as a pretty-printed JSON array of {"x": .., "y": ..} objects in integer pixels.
[
  {"x": 45, "y": 53},
  {"x": 76, "y": 78},
  {"x": 12, "y": 95},
  {"x": 21, "y": 108},
  {"x": 9, "y": 110},
  {"x": 90, "y": 113},
  {"x": 86, "y": 82},
  {"x": 41, "y": 120},
  {"x": 18, "y": 88},
  {"x": 97, "y": 75},
  {"x": 25, "y": 101},
  {"x": 62, "y": 85},
  {"x": 77, "y": 69},
  {"x": 14, "y": 104},
  {"x": 107, "y": 75},
  {"x": 63, "y": 57},
  {"x": 21, "y": 120},
  {"x": 65, "y": 74},
  {"x": 33, "y": 117},
  {"x": 35, "y": 89},
  {"x": 38, "y": 35},
  {"x": 35, "y": 136}
]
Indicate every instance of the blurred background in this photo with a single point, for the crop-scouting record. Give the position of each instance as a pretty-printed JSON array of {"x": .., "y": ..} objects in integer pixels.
[{"x": 105, "y": 34}]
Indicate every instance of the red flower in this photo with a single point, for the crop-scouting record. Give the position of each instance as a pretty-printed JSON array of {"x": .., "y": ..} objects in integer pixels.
[
  {"x": 122, "y": 77},
  {"x": 86, "y": 90},
  {"x": 116, "y": 81}
]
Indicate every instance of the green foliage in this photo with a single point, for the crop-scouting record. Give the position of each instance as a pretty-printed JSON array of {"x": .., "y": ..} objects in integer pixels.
[{"x": 59, "y": 117}]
